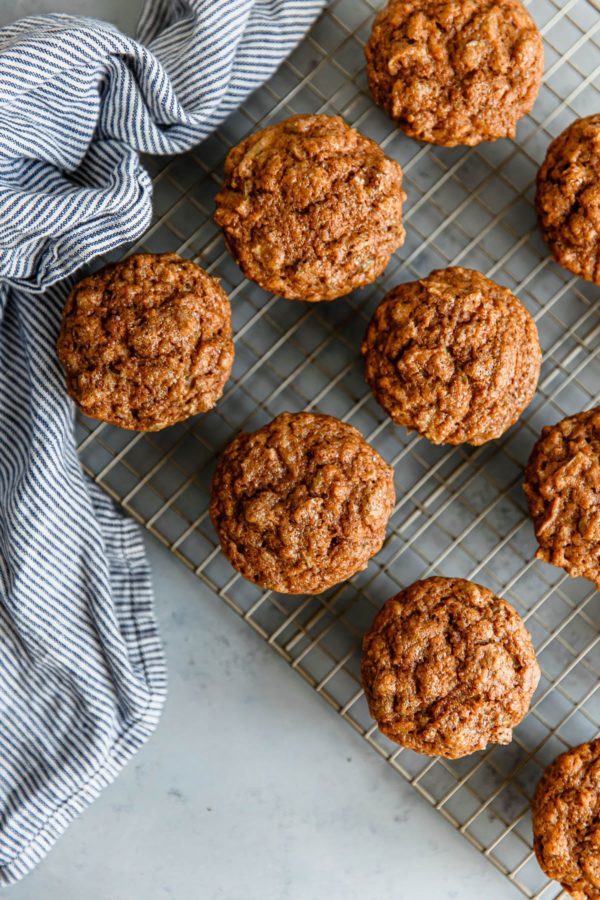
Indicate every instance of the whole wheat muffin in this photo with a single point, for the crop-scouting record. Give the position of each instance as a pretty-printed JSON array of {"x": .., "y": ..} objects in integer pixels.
[
  {"x": 455, "y": 73},
  {"x": 568, "y": 198},
  {"x": 302, "y": 503},
  {"x": 146, "y": 342},
  {"x": 566, "y": 821},
  {"x": 448, "y": 668},
  {"x": 453, "y": 356},
  {"x": 562, "y": 483},
  {"x": 310, "y": 208}
]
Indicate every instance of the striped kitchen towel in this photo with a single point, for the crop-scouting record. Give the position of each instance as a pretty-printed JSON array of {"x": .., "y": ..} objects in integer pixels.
[{"x": 82, "y": 675}]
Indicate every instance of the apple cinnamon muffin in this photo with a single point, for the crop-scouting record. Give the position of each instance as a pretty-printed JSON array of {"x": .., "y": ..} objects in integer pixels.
[
  {"x": 302, "y": 503},
  {"x": 568, "y": 198},
  {"x": 566, "y": 821},
  {"x": 146, "y": 342},
  {"x": 448, "y": 668},
  {"x": 562, "y": 484},
  {"x": 454, "y": 357},
  {"x": 310, "y": 208},
  {"x": 455, "y": 73}
]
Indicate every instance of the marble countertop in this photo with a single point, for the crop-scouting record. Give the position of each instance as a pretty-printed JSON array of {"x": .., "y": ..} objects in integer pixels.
[{"x": 251, "y": 788}]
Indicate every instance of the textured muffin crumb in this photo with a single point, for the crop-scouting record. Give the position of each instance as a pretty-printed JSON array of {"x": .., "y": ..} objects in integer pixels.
[
  {"x": 566, "y": 821},
  {"x": 562, "y": 484},
  {"x": 146, "y": 342},
  {"x": 568, "y": 198},
  {"x": 454, "y": 356},
  {"x": 310, "y": 208},
  {"x": 302, "y": 503},
  {"x": 455, "y": 73},
  {"x": 448, "y": 668}
]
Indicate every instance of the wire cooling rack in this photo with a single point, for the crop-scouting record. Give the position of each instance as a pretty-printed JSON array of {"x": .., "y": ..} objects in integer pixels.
[{"x": 460, "y": 511}]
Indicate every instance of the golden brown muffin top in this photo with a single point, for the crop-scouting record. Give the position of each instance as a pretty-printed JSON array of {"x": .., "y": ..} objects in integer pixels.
[
  {"x": 566, "y": 821},
  {"x": 454, "y": 356},
  {"x": 448, "y": 668},
  {"x": 311, "y": 209},
  {"x": 562, "y": 483},
  {"x": 568, "y": 198},
  {"x": 457, "y": 72},
  {"x": 146, "y": 342},
  {"x": 302, "y": 503}
]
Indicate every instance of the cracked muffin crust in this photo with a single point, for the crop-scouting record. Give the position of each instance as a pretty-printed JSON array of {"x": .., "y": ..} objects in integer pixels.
[
  {"x": 310, "y": 208},
  {"x": 448, "y": 668},
  {"x": 302, "y": 503},
  {"x": 146, "y": 342},
  {"x": 454, "y": 356},
  {"x": 562, "y": 484},
  {"x": 566, "y": 821},
  {"x": 455, "y": 73},
  {"x": 568, "y": 198}
]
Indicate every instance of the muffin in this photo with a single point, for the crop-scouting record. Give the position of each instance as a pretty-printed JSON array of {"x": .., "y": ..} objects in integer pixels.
[
  {"x": 310, "y": 208},
  {"x": 454, "y": 357},
  {"x": 568, "y": 198},
  {"x": 301, "y": 504},
  {"x": 566, "y": 821},
  {"x": 448, "y": 668},
  {"x": 146, "y": 342},
  {"x": 455, "y": 73},
  {"x": 562, "y": 483}
]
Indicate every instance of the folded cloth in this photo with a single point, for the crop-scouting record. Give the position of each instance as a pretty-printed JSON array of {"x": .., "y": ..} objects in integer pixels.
[{"x": 82, "y": 674}]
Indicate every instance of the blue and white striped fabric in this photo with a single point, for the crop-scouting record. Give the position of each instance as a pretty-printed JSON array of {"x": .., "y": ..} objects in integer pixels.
[{"x": 82, "y": 675}]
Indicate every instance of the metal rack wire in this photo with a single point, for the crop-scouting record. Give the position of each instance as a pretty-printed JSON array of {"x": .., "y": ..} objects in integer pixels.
[{"x": 460, "y": 511}]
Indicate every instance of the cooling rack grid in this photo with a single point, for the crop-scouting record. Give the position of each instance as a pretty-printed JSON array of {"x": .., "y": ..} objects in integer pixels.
[{"x": 460, "y": 511}]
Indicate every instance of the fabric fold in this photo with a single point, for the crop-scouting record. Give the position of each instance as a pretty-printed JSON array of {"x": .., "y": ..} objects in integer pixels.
[{"x": 82, "y": 676}]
